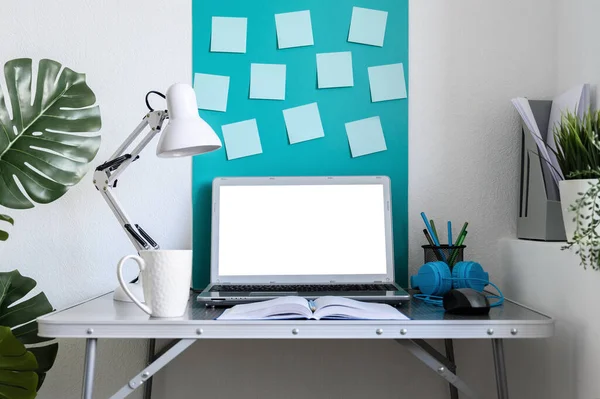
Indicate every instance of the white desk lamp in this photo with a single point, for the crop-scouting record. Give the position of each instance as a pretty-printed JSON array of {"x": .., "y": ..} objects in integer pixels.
[{"x": 185, "y": 135}]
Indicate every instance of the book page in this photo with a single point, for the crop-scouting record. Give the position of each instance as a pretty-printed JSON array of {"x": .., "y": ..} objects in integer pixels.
[
  {"x": 343, "y": 308},
  {"x": 338, "y": 300},
  {"x": 289, "y": 307}
]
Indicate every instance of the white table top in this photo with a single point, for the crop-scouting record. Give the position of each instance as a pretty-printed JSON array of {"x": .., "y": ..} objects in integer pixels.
[{"x": 104, "y": 318}]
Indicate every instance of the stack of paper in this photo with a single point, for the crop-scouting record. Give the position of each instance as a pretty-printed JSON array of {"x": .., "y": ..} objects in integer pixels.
[{"x": 576, "y": 100}]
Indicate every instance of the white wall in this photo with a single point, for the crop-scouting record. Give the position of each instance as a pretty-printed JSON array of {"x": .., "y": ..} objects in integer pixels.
[
  {"x": 71, "y": 247},
  {"x": 468, "y": 58},
  {"x": 577, "y": 58},
  {"x": 542, "y": 276}
]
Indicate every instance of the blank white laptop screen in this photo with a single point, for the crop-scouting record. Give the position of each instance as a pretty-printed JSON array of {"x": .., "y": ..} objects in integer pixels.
[{"x": 300, "y": 230}]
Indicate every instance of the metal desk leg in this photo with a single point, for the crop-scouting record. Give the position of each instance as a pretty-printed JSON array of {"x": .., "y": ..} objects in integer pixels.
[
  {"x": 500, "y": 367},
  {"x": 160, "y": 362},
  {"x": 88, "y": 372},
  {"x": 149, "y": 359},
  {"x": 450, "y": 355},
  {"x": 437, "y": 362}
]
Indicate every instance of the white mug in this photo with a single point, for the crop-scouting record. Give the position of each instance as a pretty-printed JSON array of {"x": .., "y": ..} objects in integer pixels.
[{"x": 166, "y": 276}]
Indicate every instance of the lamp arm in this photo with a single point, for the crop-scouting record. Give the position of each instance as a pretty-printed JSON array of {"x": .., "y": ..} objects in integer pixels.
[{"x": 106, "y": 175}]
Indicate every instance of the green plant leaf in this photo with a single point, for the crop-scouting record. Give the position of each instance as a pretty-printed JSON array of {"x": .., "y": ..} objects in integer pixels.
[
  {"x": 578, "y": 145},
  {"x": 7, "y": 219},
  {"x": 18, "y": 377},
  {"x": 13, "y": 288},
  {"x": 47, "y": 144}
]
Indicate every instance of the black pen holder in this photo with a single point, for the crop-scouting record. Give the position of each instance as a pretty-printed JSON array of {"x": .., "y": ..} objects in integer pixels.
[{"x": 451, "y": 255}]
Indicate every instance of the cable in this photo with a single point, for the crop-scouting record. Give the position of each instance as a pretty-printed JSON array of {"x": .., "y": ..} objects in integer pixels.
[
  {"x": 430, "y": 299},
  {"x": 438, "y": 300},
  {"x": 499, "y": 297},
  {"x": 148, "y": 95}
]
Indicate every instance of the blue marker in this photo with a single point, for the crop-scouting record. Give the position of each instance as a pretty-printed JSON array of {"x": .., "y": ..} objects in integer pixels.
[
  {"x": 449, "y": 233},
  {"x": 433, "y": 236}
]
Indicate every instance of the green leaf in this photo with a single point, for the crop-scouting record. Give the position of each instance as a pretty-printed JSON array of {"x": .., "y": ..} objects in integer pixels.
[
  {"x": 47, "y": 144},
  {"x": 7, "y": 219},
  {"x": 14, "y": 311},
  {"x": 25, "y": 311},
  {"x": 45, "y": 356},
  {"x": 27, "y": 333},
  {"x": 578, "y": 145},
  {"x": 18, "y": 377}
]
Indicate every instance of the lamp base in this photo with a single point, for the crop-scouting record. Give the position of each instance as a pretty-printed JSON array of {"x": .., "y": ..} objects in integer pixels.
[{"x": 136, "y": 289}]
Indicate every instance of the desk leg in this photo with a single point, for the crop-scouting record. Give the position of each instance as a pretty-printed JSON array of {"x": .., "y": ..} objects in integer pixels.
[
  {"x": 500, "y": 367},
  {"x": 452, "y": 366},
  {"x": 437, "y": 362},
  {"x": 149, "y": 359},
  {"x": 160, "y": 361},
  {"x": 88, "y": 372}
]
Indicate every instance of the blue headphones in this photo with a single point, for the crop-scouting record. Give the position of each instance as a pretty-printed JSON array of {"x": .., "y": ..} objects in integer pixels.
[{"x": 434, "y": 279}]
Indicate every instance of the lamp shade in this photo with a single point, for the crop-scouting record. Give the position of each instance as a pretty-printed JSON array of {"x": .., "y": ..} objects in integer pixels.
[{"x": 186, "y": 134}]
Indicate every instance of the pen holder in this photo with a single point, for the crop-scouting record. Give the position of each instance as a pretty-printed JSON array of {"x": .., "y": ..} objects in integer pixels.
[{"x": 434, "y": 253}]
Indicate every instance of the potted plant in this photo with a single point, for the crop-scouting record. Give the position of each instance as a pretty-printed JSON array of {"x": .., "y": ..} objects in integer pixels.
[
  {"x": 578, "y": 154},
  {"x": 51, "y": 143}
]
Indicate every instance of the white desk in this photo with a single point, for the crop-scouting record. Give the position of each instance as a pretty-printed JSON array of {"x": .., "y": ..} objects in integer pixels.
[{"x": 104, "y": 318}]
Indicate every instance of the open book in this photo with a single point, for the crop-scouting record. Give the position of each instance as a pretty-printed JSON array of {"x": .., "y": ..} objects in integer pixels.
[{"x": 328, "y": 307}]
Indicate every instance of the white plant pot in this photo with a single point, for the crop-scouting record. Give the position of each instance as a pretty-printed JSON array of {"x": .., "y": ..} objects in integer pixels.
[{"x": 569, "y": 193}]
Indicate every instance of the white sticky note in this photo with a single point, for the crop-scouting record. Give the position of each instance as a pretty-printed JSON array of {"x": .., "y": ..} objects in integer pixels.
[
  {"x": 212, "y": 91},
  {"x": 368, "y": 26},
  {"x": 303, "y": 123},
  {"x": 241, "y": 139},
  {"x": 335, "y": 70},
  {"x": 267, "y": 81},
  {"x": 228, "y": 35},
  {"x": 294, "y": 29},
  {"x": 387, "y": 82},
  {"x": 365, "y": 136}
]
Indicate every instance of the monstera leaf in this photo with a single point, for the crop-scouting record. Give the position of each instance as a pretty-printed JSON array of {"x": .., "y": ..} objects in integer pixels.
[
  {"x": 8, "y": 219},
  {"x": 13, "y": 288},
  {"x": 48, "y": 143},
  {"x": 18, "y": 379}
]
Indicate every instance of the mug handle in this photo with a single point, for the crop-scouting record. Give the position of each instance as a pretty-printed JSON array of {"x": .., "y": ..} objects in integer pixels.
[{"x": 142, "y": 266}]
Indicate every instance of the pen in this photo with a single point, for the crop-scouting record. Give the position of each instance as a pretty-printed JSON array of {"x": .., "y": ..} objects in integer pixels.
[
  {"x": 462, "y": 231},
  {"x": 429, "y": 229},
  {"x": 458, "y": 239},
  {"x": 430, "y": 241},
  {"x": 435, "y": 240},
  {"x": 454, "y": 255},
  {"x": 437, "y": 237},
  {"x": 449, "y": 233}
]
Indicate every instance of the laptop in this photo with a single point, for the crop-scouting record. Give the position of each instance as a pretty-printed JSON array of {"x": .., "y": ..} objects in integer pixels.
[{"x": 301, "y": 236}]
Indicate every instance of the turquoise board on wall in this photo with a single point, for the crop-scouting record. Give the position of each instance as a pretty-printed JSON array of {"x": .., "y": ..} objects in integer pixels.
[{"x": 329, "y": 155}]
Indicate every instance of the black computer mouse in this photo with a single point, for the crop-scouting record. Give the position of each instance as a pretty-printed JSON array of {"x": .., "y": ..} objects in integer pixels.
[{"x": 466, "y": 301}]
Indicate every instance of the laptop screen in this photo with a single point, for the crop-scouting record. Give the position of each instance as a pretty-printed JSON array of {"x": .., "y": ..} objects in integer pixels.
[{"x": 302, "y": 230}]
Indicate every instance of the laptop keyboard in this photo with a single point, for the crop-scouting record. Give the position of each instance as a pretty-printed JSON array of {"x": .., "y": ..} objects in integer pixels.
[{"x": 303, "y": 288}]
